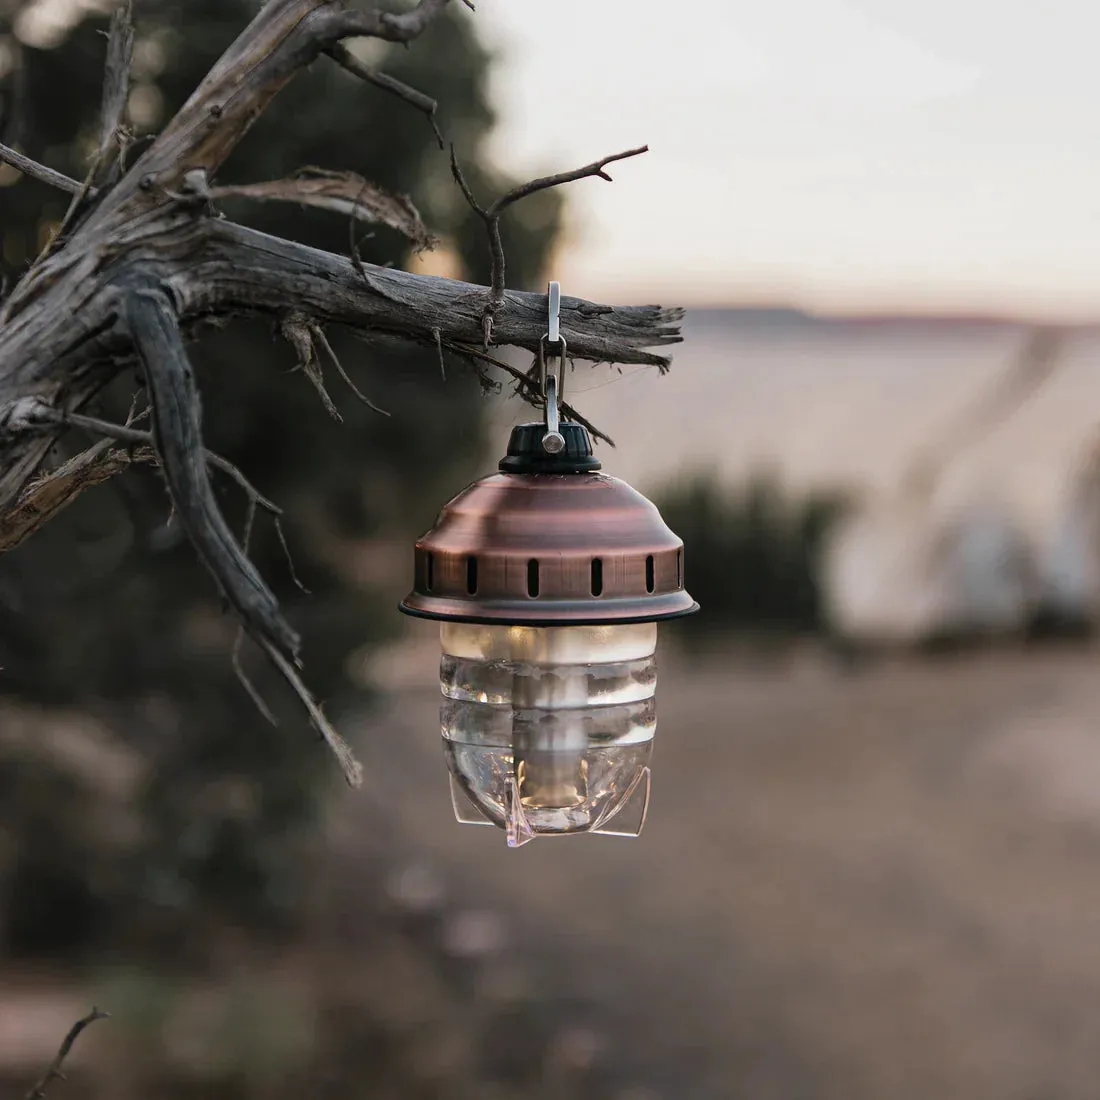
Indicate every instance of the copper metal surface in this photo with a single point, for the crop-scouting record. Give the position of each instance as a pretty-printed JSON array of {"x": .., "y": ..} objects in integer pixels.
[{"x": 543, "y": 549}]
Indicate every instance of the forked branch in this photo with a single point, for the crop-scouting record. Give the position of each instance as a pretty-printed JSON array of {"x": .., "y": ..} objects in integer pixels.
[{"x": 491, "y": 216}]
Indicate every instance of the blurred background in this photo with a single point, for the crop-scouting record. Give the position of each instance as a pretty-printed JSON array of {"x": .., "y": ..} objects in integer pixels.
[{"x": 871, "y": 862}]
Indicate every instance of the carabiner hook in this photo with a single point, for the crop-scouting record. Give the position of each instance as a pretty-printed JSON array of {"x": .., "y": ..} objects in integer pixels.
[{"x": 552, "y": 385}]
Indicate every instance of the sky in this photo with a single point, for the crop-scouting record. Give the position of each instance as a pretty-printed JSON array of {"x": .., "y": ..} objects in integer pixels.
[{"x": 864, "y": 155}]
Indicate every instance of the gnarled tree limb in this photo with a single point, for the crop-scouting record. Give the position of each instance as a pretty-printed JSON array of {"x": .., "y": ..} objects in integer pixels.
[{"x": 177, "y": 429}]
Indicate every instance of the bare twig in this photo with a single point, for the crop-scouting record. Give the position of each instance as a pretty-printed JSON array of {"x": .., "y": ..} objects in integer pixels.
[
  {"x": 306, "y": 336},
  {"x": 114, "y": 129},
  {"x": 53, "y": 1071},
  {"x": 114, "y": 133},
  {"x": 527, "y": 386},
  {"x": 38, "y": 171},
  {"x": 126, "y": 434},
  {"x": 319, "y": 337},
  {"x": 491, "y": 217},
  {"x": 352, "y": 769},
  {"x": 289, "y": 557},
  {"x": 296, "y": 330},
  {"x": 417, "y": 99},
  {"x": 439, "y": 348},
  {"x": 242, "y": 676},
  {"x": 238, "y": 668},
  {"x": 596, "y": 168}
]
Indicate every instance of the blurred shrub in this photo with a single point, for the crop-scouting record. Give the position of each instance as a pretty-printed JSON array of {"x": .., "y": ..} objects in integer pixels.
[{"x": 752, "y": 553}]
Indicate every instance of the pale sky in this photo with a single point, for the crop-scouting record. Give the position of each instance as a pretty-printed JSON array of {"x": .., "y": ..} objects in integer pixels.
[{"x": 836, "y": 154}]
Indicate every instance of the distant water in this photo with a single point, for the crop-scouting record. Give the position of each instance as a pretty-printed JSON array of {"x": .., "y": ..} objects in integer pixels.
[{"x": 843, "y": 402}]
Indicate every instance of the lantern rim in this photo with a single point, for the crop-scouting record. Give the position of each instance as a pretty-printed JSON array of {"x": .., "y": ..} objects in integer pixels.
[{"x": 541, "y": 617}]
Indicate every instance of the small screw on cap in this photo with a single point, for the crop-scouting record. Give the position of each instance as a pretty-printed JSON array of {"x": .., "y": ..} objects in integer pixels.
[{"x": 553, "y": 443}]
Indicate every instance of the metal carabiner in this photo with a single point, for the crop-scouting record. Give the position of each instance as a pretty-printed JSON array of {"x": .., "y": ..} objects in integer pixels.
[
  {"x": 553, "y": 295},
  {"x": 552, "y": 386}
]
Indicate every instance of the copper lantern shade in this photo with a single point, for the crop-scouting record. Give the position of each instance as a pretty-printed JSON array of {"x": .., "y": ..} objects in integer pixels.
[
  {"x": 549, "y": 578},
  {"x": 549, "y": 541}
]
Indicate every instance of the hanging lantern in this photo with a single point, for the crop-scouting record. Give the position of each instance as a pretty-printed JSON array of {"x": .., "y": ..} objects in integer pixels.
[{"x": 549, "y": 579}]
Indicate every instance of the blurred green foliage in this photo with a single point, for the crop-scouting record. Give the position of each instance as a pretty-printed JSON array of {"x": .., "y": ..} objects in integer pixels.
[
  {"x": 107, "y": 611},
  {"x": 752, "y": 553}
]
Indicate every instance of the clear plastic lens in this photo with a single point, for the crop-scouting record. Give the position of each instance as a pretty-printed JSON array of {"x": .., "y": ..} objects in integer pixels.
[
  {"x": 548, "y": 686},
  {"x": 549, "y": 730},
  {"x": 601, "y": 790},
  {"x": 549, "y": 645}
]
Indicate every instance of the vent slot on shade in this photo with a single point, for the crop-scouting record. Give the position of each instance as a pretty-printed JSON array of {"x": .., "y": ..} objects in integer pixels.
[
  {"x": 429, "y": 571},
  {"x": 533, "y": 578},
  {"x": 597, "y": 576},
  {"x": 471, "y": 575},
  {"x": 679, "y": 569},
  {"x": 649, "y": 584}
]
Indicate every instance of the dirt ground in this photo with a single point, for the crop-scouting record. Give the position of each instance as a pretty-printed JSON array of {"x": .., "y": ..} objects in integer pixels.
[{"x": 874, "y": 885}]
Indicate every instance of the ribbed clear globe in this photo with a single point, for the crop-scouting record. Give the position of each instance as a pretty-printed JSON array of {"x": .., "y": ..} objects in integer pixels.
[{"x": 549, "y": 730}]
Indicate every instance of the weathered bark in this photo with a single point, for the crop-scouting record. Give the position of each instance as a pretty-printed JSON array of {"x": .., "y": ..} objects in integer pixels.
[{"x": 140, "y": 262}]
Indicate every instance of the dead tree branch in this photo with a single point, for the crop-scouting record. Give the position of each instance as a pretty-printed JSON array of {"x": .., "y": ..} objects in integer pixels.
[
  {"x": 177, "y": 429},
  {"x": 143, "y": 261},
  {"x": 54, "y": 1071},
  {"x": 416, "y": 99},
  {"x": 123, "y": 433},
  {"x": 342, "y": 192},
  {"x": 47, "y": 496},
  {"x": 38, "y": 171},
  {"x": 114, "y": 128},
  {"x": 114, "y": 133},
  {"x": 491, "y": 217}
]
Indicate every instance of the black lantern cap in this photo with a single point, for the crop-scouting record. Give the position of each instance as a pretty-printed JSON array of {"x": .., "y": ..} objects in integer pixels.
[{"x": 527, "y": 456}]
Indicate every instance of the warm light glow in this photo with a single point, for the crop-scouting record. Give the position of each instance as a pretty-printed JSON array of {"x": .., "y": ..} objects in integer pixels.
[
  {"x": 549, "y": 730},
  {"x": 549, "y": 645}
]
